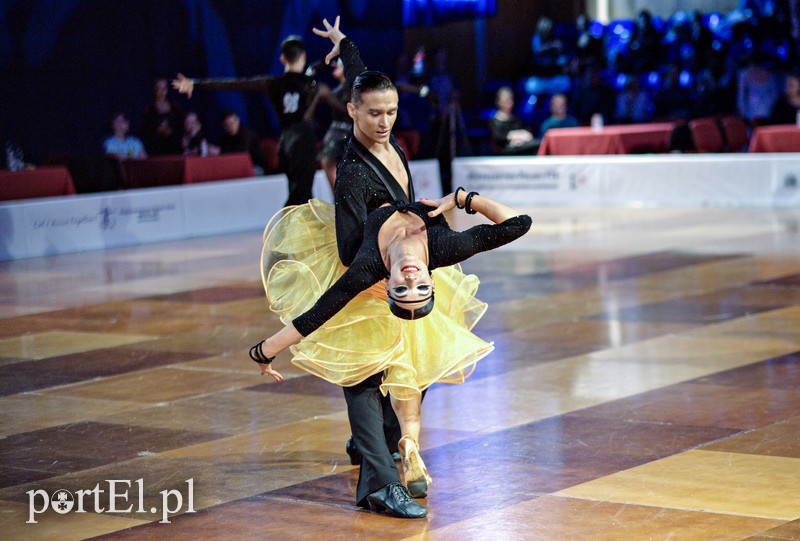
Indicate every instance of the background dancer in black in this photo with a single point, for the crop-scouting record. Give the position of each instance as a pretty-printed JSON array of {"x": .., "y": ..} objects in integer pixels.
[{"x": 293, "y": 96}]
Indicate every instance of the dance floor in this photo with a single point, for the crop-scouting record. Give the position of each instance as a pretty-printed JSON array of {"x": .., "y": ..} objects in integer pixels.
[{"x": 645, "y": 385}]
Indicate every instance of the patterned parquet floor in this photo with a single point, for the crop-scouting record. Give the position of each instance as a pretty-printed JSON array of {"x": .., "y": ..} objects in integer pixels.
[{"x": 645, "y": 385}]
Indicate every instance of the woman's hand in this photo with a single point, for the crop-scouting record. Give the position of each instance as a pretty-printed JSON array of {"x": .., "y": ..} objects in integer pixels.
[
  {"x": 266, "y": 370},
  {"x": 183, "y": 84},
  {"x": 268, "y": 349},
  {"x": 334, "y": 34},
  {"x": 442, "y": 205}
]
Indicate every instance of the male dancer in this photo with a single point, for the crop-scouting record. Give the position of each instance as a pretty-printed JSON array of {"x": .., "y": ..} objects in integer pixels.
[
  {"x": 293, "y": 95},
  {"x": 373, "y": 171}
]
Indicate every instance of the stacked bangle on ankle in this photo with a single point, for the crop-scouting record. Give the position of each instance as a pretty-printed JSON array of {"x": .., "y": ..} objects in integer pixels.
[
  {"x": 257, "y": 354},
  {"x": 468, "y": 203},
  {"x": 459, "y": 189}
]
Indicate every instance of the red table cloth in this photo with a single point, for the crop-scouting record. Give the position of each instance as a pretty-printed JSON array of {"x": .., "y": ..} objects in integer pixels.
[
  {"x": 624, "y": 139},
  {"x": 155, "y": 171},
  {"x": 222, "y": 167},
  {"x": 781, "y": 138},
  {"x": 39, "y": 182}
]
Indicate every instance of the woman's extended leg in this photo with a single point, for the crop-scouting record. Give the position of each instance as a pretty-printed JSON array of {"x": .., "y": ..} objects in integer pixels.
[{"x": 416, "y": 474}]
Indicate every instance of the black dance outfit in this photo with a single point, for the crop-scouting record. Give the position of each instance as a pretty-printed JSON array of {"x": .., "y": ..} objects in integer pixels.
[
  {"x": 335, "y": 140},
  {"x": 292, "y": 96}
]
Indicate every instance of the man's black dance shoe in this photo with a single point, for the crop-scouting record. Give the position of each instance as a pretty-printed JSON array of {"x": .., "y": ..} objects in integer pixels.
[
  {"x": 355, "y": 455},
  {"x": 395, "y": 500}
]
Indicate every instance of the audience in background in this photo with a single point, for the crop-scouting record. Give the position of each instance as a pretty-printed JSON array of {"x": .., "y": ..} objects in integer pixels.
[
  {"x": 633, "y": 105},
  {"x": 238, "y": 138},
  {"x": 756, "y": 91},
  {"x": 588, "y": 46},
  {"x": 559, "y": 117},
  {"x": 673, "y": 100},
  {"x": 194, "y": 140},
  {"x": 162, "y": 122},
  {"x": 508, "y": 133},
  {"x": 645, "y": 45},
  {"x": 121, "y": 144},
  {"x": 787, "y": 108},
  {"x": 547, "y": 48},
  {"x": 592, "y": 95},
  {"x": 685, "y": 66}
]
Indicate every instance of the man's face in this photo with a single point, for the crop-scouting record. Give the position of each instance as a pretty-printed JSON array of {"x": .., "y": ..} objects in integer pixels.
[
  {"x": 505, "y": 101},
  {"x": 160, "y": 89},
  {"x": 121, "y": 124},
  {"x": 191, "y": 123},
  {"x": 231, "y": 124},
  {"x": 374, "y": 117},
  {"x": 558, "y": 107}
]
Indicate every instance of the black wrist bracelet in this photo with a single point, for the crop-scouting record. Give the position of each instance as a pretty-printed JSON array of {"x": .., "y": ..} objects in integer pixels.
[
  {"x": 468, "y": 203},
  {"x": 257, "y": 354},
  {"x": 460, "y": 188}
]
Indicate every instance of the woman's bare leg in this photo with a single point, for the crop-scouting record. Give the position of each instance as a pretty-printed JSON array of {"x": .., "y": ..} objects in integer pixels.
[
  {"x": 409, "y": 413},
  {"x": 415, "y": 474}
]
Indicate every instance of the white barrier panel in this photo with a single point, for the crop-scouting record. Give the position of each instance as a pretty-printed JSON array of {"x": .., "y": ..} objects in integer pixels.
[
  {"x": 59, "y": 225},
  {"x": 670, "y": 180}
]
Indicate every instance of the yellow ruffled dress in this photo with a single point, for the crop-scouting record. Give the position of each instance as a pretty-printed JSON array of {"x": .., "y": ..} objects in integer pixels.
[{"x": 300, "y": 261}]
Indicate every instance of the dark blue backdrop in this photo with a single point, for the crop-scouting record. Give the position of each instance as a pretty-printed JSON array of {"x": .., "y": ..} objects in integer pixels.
[{"x": 65, "y": 65}]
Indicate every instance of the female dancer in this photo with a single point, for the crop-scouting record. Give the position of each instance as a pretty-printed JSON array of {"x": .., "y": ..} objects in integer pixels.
[
  {"x": 335, "y": 139},
  {"x": 408, "y": 251}
]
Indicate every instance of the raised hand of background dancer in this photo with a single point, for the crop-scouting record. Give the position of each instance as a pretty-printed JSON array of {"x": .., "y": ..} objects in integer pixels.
[
  {"x": 334, "y": 34},
  {"x": 183, "y": 84}
]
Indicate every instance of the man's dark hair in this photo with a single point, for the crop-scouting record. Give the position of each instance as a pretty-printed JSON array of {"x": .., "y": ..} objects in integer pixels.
[
  {"x": 370, "y": 81},
  {"x": 292, "y": 47}
]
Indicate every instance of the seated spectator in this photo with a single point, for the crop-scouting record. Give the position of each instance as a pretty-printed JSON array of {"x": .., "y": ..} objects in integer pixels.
[
  {"x": 645, "y": 45},
  {"x": 559, "y": 117},
  {"x": 415, "y": 111},
  {"x": 238, "y": 138},
  {"x": 162, "y": 122},
  {"x": 673, "y": 100},
  {"x": 633, "y": 105},
  {"x": 508, "y": 133},
  {"x": 194, "y": 141},
  {"x": 592, "y": 96},
  {"x": 787, "y": 107},
  {"x": 548, "y": 50},
  {"x": 588, "y": 46},
  {"x": 121, "y": 145},
  {"x": 756, "y": 91}
]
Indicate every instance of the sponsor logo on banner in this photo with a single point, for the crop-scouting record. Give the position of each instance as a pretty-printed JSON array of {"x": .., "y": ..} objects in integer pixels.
[{"x": 107, "y": 217}]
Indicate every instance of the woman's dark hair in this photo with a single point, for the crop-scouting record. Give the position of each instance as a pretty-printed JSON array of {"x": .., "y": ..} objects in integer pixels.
[
  {"x": 370, "y": 81},
  {"x": 405, "y": 313}
]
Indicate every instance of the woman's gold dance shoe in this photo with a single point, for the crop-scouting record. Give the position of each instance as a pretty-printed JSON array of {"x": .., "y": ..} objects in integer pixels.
[{"x": 415, "y": 473}]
